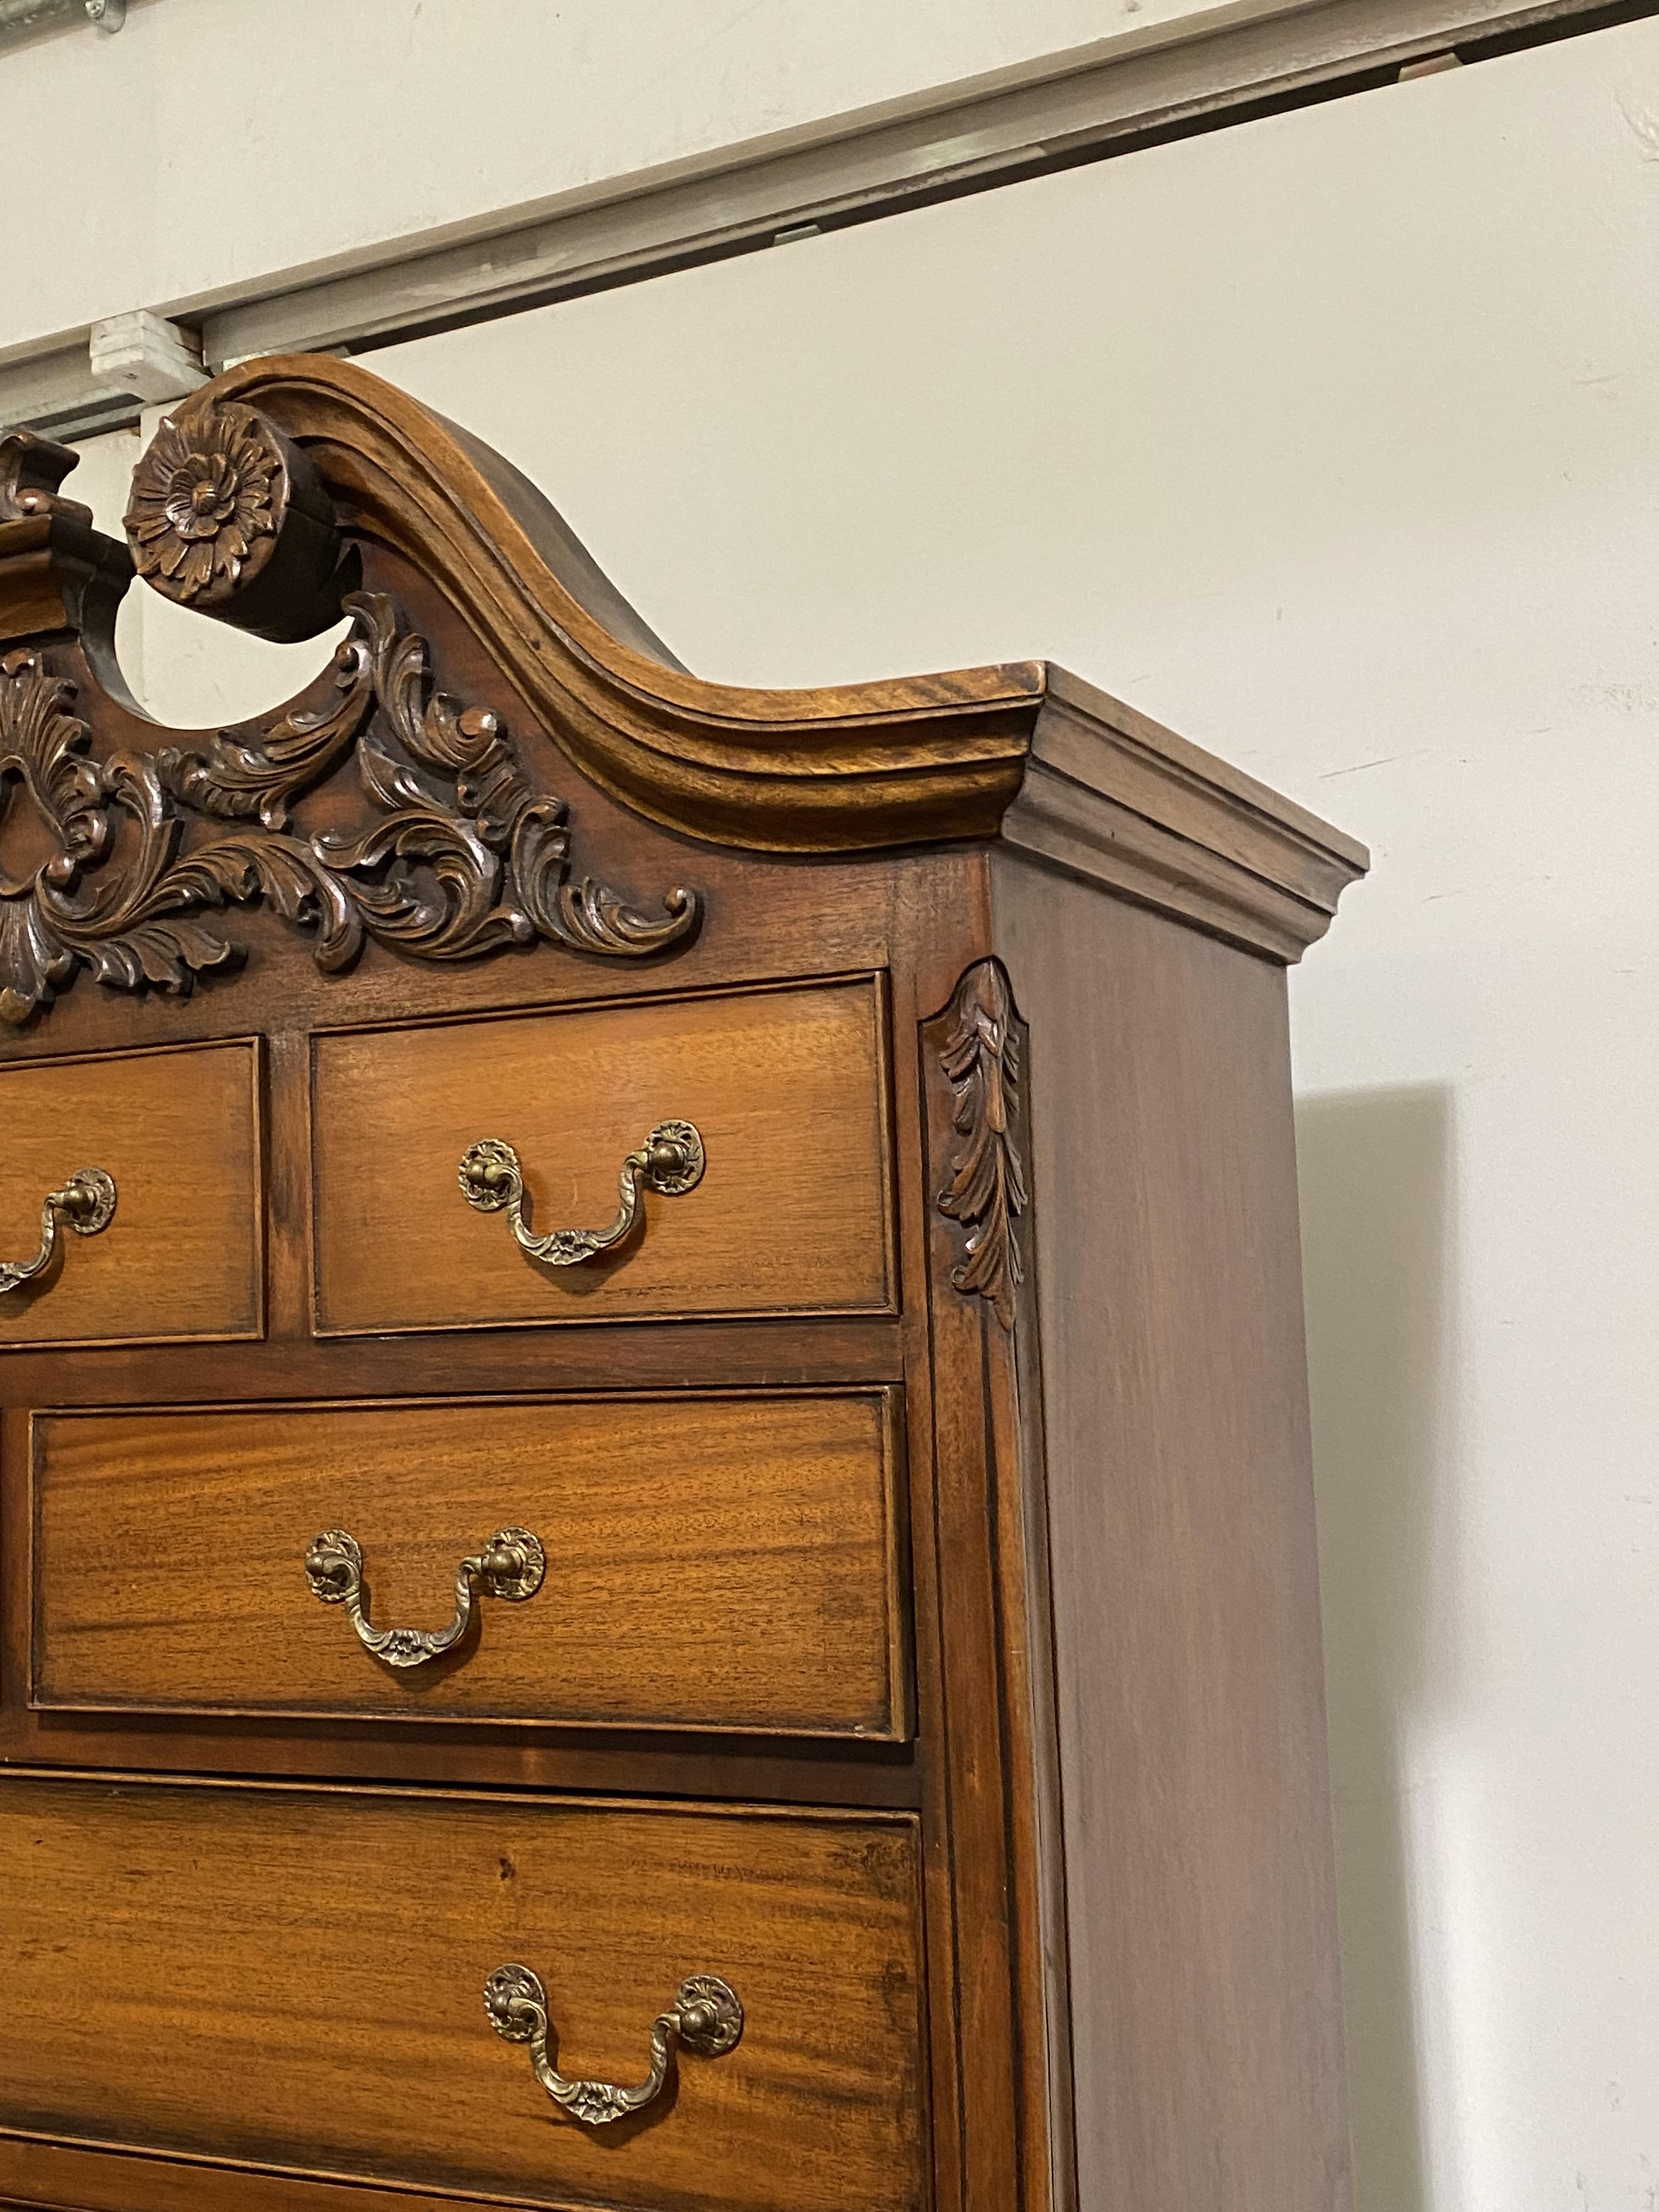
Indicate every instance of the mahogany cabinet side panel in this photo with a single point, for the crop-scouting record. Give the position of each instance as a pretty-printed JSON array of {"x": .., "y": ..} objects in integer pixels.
[{"x": 1207, "y": 2015}]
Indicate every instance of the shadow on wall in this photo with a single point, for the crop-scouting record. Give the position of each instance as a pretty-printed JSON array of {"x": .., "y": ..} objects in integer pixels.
[{"x": 1374, "y": 1167}]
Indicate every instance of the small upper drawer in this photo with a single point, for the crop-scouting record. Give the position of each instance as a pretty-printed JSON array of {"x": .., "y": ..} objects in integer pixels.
[
  {"x": 176, "y": 1131},
  {"x": 726, "y": 1563},
  {"x": 786, "y": 1211}
]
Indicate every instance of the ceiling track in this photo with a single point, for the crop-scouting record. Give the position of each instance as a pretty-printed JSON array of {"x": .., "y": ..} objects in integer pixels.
[
  {"x": 853, "y": 169},
  {"x": 26, "y": 19}
]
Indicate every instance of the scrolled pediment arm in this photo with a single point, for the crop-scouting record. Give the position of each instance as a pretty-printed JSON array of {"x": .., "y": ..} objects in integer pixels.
[{"x": 848, "y": 768}]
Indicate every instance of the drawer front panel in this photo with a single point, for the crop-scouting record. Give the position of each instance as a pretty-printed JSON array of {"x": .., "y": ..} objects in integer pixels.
[
  {"x": 294, "y": 1978},
  {"x": 178, "y": 1133},
  {"x": 787, "y": 1089},
  {"x": 720, "y": 1562}
]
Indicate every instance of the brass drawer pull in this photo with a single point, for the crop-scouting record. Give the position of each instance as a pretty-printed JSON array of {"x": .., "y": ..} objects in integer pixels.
[
  {"x": 87, "y": 1202},
  {"x": 669, "y": 1161},
  {"x": 510, "y": 1566},
  {"x": 706, "y": 2016}
]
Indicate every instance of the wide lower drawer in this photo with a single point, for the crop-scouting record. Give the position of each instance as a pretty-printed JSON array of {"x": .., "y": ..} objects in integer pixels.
[
  {"x": 295, "y": 1978},
  {"x": 709, "y": 1561},
  {"x": 177, "y": 1134},
  {"x": 787, "y": 1210}
]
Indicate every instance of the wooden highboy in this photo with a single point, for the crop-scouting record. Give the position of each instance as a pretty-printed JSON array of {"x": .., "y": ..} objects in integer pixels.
[{"x": 656, "y": 1543}]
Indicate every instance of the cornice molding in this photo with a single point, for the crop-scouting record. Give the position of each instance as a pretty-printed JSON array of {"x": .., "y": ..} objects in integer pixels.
[{"x": 1112, "y": 796}]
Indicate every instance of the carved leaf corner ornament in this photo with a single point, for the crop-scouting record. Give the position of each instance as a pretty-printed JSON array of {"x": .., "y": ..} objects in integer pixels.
[
  {"x": 981, "y": 1056},
  {"x": 458, "y": 855}
]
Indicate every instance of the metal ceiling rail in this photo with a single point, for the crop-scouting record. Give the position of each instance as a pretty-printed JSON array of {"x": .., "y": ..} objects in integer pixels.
[
  {"x": 855, "y": 168},
  {"x": 22, "y": 19}
]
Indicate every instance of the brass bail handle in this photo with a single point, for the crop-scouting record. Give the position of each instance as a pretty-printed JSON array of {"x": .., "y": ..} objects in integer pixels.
[
  {"x": 87, "y": 1202},
  {"x": 706, "y": 2016},
  {"x": 511, "y": 1565},
  {"x": 670, "y": 1162}
]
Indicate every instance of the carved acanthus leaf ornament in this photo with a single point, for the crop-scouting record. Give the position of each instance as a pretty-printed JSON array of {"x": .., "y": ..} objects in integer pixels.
[
  {"x": 986, "y": 1194},
  {"x": 459, "y": 855}
]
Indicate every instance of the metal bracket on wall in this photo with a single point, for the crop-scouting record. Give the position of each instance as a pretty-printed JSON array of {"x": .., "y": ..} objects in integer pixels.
[
  {"x": 102, "y": 382},
  {"x": 145, "y": 356}
]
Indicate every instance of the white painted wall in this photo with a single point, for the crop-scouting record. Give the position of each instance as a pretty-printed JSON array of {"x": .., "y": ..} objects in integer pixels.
[{"x": 1333, "y": 440}]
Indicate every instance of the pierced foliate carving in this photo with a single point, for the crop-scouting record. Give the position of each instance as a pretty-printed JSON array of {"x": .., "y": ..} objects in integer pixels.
[
  {"x": 460, "y": 856},
  {"x": 256, "y": 775},
  {"x": 981, "y": 1058},
  {"x": 124, "y": 931},
  {"x": 43, "y": 753}
]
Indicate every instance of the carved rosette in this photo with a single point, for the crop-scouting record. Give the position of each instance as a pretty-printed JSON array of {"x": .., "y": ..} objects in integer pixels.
[
  {"x": 208, "y": 498},
  {"x": 458, "y": 855},
  {"x": 981, "y": 1056}
]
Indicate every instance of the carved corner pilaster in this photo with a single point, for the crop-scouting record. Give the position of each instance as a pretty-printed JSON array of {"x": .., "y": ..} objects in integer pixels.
[{"x": 992, "y": 1517}]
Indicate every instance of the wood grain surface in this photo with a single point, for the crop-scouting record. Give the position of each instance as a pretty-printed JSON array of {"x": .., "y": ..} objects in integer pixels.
[
  {"x": 721, "y": 1562},
  {"x": 294, "y": 1978},
  {"x": 788, "y": 1089},
  {"x": 180, "y": 1132}
]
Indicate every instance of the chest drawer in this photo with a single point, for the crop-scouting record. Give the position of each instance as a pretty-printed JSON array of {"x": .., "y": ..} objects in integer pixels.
[
  {"x": 295, "y": 1978},
  {"x": 181, "y": 1254},
  {"x": 715, "y": 1562},
  {"x": 784, "y": 1090}
]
